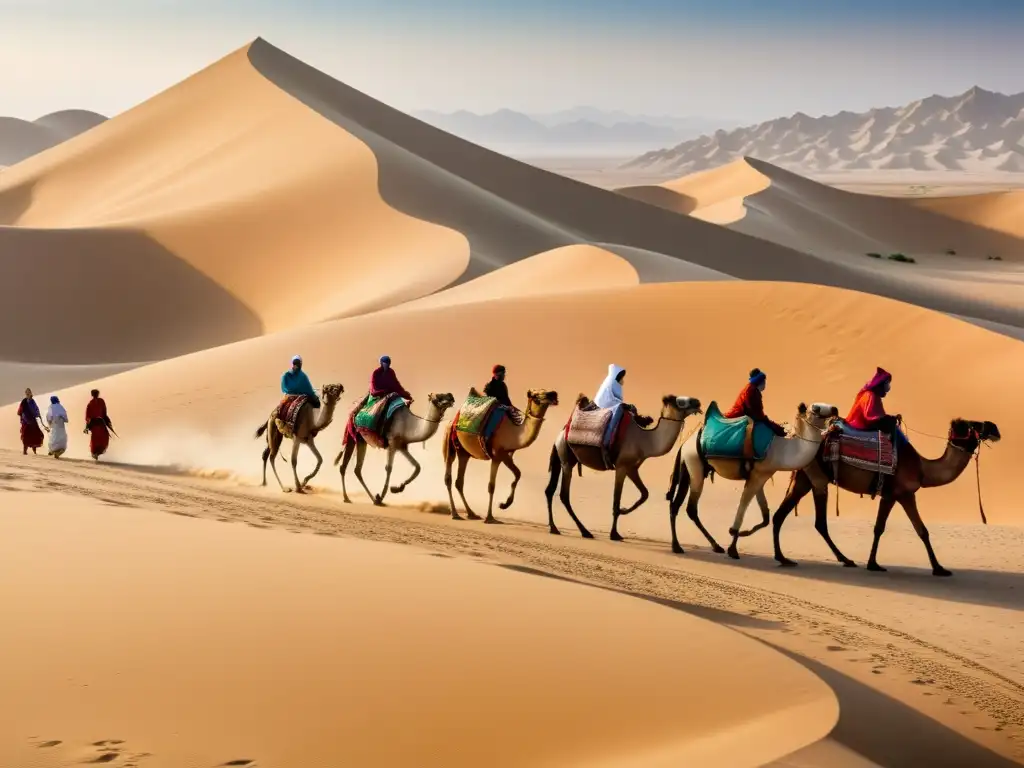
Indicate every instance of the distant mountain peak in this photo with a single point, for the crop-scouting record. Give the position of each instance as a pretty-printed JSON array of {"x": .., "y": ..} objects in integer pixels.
[{"x": 977, "y": 130}]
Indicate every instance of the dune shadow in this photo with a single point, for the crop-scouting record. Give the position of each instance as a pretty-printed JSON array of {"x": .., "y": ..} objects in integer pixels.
[
  {"x": 15, "y": 200},
  {"x": 121, "y": 297},
  {"x": 662, "y": 197},
  {"x": 890, "y": 733},
  {"x": 711, "y": 614}
]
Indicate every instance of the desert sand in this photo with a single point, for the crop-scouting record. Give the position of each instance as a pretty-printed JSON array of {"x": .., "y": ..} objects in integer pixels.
[{"x": 261, "y": 209}]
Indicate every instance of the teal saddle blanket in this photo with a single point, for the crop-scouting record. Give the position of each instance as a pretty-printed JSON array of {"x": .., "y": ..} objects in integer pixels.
[{"x": 724, "y": 438}]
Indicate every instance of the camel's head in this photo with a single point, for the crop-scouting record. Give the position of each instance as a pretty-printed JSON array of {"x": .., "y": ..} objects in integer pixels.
[
  {"x": 442, "y": 402},
  {"x": 331, "y": 393},
  {"x": 969, "y": 434},
  {"x": 539, "y": 400},
  {"x": 679, "y": 407},
  {"x": 820, "y": 415}
]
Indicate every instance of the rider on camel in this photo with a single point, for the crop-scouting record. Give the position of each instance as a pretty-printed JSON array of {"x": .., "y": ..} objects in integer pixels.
[
  {"x": 610, "y": 394},
  {"x": 295, "y": 382},
  {"x": 868, "y": 412},
  {"x": 751, "y": 403},
  {"x": 384, "y": 381},
  {"x": 497, "y": 388}
]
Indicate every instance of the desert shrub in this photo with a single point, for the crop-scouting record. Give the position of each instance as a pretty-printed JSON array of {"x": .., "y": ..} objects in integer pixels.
[
  {"x": 950, "y": 252},
  {"x": 902, "y": 257},
  {"x": 874, "y": 255},
  {"x": 995, "y": 258}
]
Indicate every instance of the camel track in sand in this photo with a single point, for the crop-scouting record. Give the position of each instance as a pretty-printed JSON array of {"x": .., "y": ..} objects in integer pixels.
[{"x": 811, "y": 630}]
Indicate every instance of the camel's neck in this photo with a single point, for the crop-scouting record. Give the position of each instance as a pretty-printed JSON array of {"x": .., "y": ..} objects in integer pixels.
[
  {"x": 800, "y": 449},
  {"x": 661, "y": 438},
  {"x": 524, "y": 436},
  {"x": 945, "y": 469},
  {"x": 326, "y": 417},
  {"x": 425, "y": 427}
]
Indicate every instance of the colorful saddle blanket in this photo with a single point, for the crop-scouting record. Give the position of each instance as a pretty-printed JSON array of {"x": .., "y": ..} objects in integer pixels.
[
  {"x": 595, "y": 427},
  {"x": 738, "y": 438},
  {"x": 871, "y": 451},
  {"x": 370, "y": 422},
  {"x": 478, "y": 419},
  {"x": 286, "y": 416}
]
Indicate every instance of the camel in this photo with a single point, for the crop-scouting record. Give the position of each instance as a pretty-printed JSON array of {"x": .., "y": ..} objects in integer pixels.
[
  {"x": 636, "y": 446},
  {"x": 404, "y": 429},
  {"x": 508, "y": 438},
  {"x": 306, "y": 429},
  {"x": 913, "y": 472},
  {"x": 784, "y": 453}
]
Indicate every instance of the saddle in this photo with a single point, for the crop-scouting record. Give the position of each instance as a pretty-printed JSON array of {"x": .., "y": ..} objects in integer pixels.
[
  {"x": 593, "y": 427},
  {"x": 871, "y": 451},
  {"x": 371, "y": 420},
  {"x": 736, "y": 438},
  {"x": 478, "y": 420},
  {"x": 286, "y": 415}
]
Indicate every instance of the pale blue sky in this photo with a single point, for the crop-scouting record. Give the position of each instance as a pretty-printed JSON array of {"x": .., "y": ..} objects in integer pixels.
[{"x": 738, "y": 59}]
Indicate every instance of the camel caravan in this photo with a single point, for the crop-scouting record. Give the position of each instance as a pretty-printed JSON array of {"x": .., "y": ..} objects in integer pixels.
[{"x": 865, "y": 453}]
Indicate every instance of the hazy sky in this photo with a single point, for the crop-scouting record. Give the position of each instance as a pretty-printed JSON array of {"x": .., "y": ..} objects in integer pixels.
[{"x": 737, "y": 59}]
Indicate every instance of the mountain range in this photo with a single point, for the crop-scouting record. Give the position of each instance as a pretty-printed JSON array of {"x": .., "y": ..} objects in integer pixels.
[
  {"x": 975, "y": 131},
  {"x": 20, "y": 139},
  {"x": 576, "y": 131}
]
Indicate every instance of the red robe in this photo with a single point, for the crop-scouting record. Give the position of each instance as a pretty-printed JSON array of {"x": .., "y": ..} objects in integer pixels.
[
  {"x": 384, "y": 381},
  {"x": 867, "y": 410},
  {"x": 96, "y": 422},
  {"x": 751, "y": 403},
  {"x": 31, "y": 434}
]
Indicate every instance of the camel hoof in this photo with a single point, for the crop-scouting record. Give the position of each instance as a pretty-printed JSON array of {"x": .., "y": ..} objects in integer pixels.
[
  {"x": 506, "y": 505},
  {"x": 849, "y": 564},
  {"x": 586, "y": 534},
  {"x": 940, "y": 571},
  {"x": 554, "y": 531},
  {"x": 347, "y": 500},
  {"x": 473, "y": 516},
  {"x": 615, "y": 536},
  {"x": 876, "y": 568},
  {"x": 493, "y": 521},
  {"x": 456, "y": 516},
  {"x": 733, "y": 553},
  {"x": 717, "y": 549},
  {"x": 734, "y": 532},
  {"x": 785, "y": 562},
  {"x": 678, "y": 550},
  {"x": 397, "y": 488}
]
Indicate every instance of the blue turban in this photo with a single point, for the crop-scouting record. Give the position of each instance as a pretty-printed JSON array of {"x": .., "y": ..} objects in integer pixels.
[
  {"x": 757, "y": 376},
  {"x": 385, "y": 359},
  {"x": 54, "y": 399}
]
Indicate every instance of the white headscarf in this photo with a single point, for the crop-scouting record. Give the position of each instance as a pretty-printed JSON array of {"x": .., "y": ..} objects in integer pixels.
[
  {"x": 56, "y": 412},
  {"x": 610, "y": 393}
]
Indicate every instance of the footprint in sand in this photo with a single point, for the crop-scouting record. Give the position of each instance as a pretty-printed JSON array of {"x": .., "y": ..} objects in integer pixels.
[
  {"x": 48, "y": 744},
  {"x": 240, "y": 762},
  {"x": 835, "y": 648}
]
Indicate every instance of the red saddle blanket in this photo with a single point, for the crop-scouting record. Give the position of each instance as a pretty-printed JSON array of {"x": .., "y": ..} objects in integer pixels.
[
  {"x": 871, "y": 451},
  {"x": 288, "y": 411}
]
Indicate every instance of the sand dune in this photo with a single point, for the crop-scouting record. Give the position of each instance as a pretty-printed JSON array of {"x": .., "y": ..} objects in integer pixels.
[
  {"x": 999, "y": 211},
  {"x": 20, "y": 139},
  {"x": 954, "y": 271},
  {"x": 161, "y": 687}
]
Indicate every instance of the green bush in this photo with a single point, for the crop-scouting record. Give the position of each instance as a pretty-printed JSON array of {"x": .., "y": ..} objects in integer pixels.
[
  {"x": 995, "y": 258},
  {"x": 950, "y": 252},
  {"x": 901, "y": 257}
]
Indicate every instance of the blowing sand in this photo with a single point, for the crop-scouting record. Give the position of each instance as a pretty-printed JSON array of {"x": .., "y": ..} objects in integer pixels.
[{"x": 261, "y": 209}]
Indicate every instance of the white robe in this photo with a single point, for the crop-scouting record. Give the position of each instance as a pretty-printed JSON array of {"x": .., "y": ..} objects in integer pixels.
[
  {"x": 56, "y": 418},
  {"x": 610, "y": 393}
]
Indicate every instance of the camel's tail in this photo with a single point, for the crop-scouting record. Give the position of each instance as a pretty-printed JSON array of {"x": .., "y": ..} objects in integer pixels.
[
  {"x": 261, "y": 430},
  {"x": 338, "y": 458},
  {"x": 675, "y": 474},
  {"x": 555, "y": 470}
]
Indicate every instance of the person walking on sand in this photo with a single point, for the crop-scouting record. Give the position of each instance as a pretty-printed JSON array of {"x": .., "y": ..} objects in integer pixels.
[
  {"x": 31, "y": 434},
  {"x": 56, "y": 419},
  {"x": 97, "y": 425}
]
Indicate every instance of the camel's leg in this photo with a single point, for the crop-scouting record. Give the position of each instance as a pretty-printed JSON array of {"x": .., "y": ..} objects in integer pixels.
[
  {"x": 415, "y": 470},
  {"x": 275, "y": 439},
  {"x": 358, "y": 469},
  {"x": 620, "y": 479},
  {"x": 692, "y": 508},
  {"x": 388, "y": 466},
  {"x": 884, "y": 508},
  {"x": 799, "y": 487},
  {"x": 568, "y": 464},
  {"x": 516, "y": 474},
  {"x": 319, "y": 462},
  {"x": 909, "y": 504},
  {"x": 751, "y": 488},
  {"x": 821, "y": 526},
  {"x": 460, "y": 484},
  {"x": 634, "y": 475},
  {"x": 266, "y": 455},
  {"x": 676, "y": 497},
  {"x": 766, "y": 514},
  {"x": 350, "y": 448},
  {"x": 295, "y": 462},
  {"x": 449, "y": 459},
  {"x": 495, "y": 464},
  {"x": 555, "y": 468}
]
